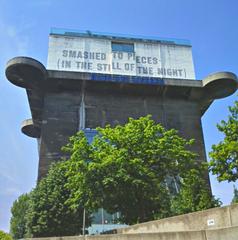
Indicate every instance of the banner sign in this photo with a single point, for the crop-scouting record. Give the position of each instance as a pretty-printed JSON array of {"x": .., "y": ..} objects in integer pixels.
[{"x": 138, "y": 58}]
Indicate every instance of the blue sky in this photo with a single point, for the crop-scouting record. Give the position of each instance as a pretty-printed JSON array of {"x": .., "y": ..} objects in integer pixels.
[{"x": 210, "y": 25}]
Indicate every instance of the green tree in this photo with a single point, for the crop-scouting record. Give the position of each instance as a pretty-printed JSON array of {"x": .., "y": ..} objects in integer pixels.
[
  {"x": 124, "y": 169},
  {"x": 195, "y": 193},
  {"x": 48, "y": 213},
  {"x": 235, "y": 197},
  {"x": 5, "y": 236},
  {"x": 18, "y": 219},
  {"x": 224, "y": 155}
]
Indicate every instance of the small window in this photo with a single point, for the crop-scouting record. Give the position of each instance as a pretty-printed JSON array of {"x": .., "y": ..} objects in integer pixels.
[{"x": 122, "y": 47}]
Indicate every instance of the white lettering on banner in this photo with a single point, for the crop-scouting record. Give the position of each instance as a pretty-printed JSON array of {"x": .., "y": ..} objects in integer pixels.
[{"x": 155, "y": 60}]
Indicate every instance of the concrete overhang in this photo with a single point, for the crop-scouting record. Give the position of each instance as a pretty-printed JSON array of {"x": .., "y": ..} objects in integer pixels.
[
  {"x": 25, "y": 72},
  {"x": 30, "y": 74},
  {"x": 29, "y": 129},
  {"x": 219, "y": 85}
]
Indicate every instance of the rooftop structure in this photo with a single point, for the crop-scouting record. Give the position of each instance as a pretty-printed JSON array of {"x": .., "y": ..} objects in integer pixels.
[{"x": 92, "y": 52}]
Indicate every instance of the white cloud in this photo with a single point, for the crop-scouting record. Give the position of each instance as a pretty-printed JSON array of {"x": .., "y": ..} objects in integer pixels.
[
  {"x": 13, "y": 42},
  {"x": 11, "y": 31}
]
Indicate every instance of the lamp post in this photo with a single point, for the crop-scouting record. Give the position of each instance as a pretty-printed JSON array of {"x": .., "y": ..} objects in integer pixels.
[{"x": 84, "y": 213}]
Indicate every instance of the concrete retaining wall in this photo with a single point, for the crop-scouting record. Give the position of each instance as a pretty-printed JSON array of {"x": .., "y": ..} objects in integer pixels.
[
  {"x": 212, "y": 224},
  {"x": 230, "y": 233},
  {"x": 208, "y": 219}
]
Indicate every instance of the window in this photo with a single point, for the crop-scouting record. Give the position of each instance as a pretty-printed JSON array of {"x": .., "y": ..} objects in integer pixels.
[{"x": 122, "y": 47}]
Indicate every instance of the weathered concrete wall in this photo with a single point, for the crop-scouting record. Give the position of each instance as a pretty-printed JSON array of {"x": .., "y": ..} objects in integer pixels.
[
  {"x": 215, "y": 234},
  {"x": 234, "y": 214},
  {"x": 194, "y": 235},
  {"x": 222, "y": 234},
  {"x": 221, "y": 217},
  {"x": 60, "y": 118},
  {"x": 59, "y": 121},
  {"x": 185, "y": 227}
]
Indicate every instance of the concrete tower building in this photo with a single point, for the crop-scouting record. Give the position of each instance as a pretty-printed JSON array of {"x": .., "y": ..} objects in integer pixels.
[{"x": 93, "y": 79}]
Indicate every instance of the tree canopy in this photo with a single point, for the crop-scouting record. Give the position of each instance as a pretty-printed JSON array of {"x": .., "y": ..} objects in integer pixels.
[
  {"x": 141, "y": 170},
  {"x": 125, "y": 169},
  {"x": 19, "y": 213},
  {"x": 48, "y": 213},
  {"x": 235, "y": 196},
  {"x": 224, "y": 155},
  {"x": 194, "y": 194},
  {"x": 5, "y": 236}
]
